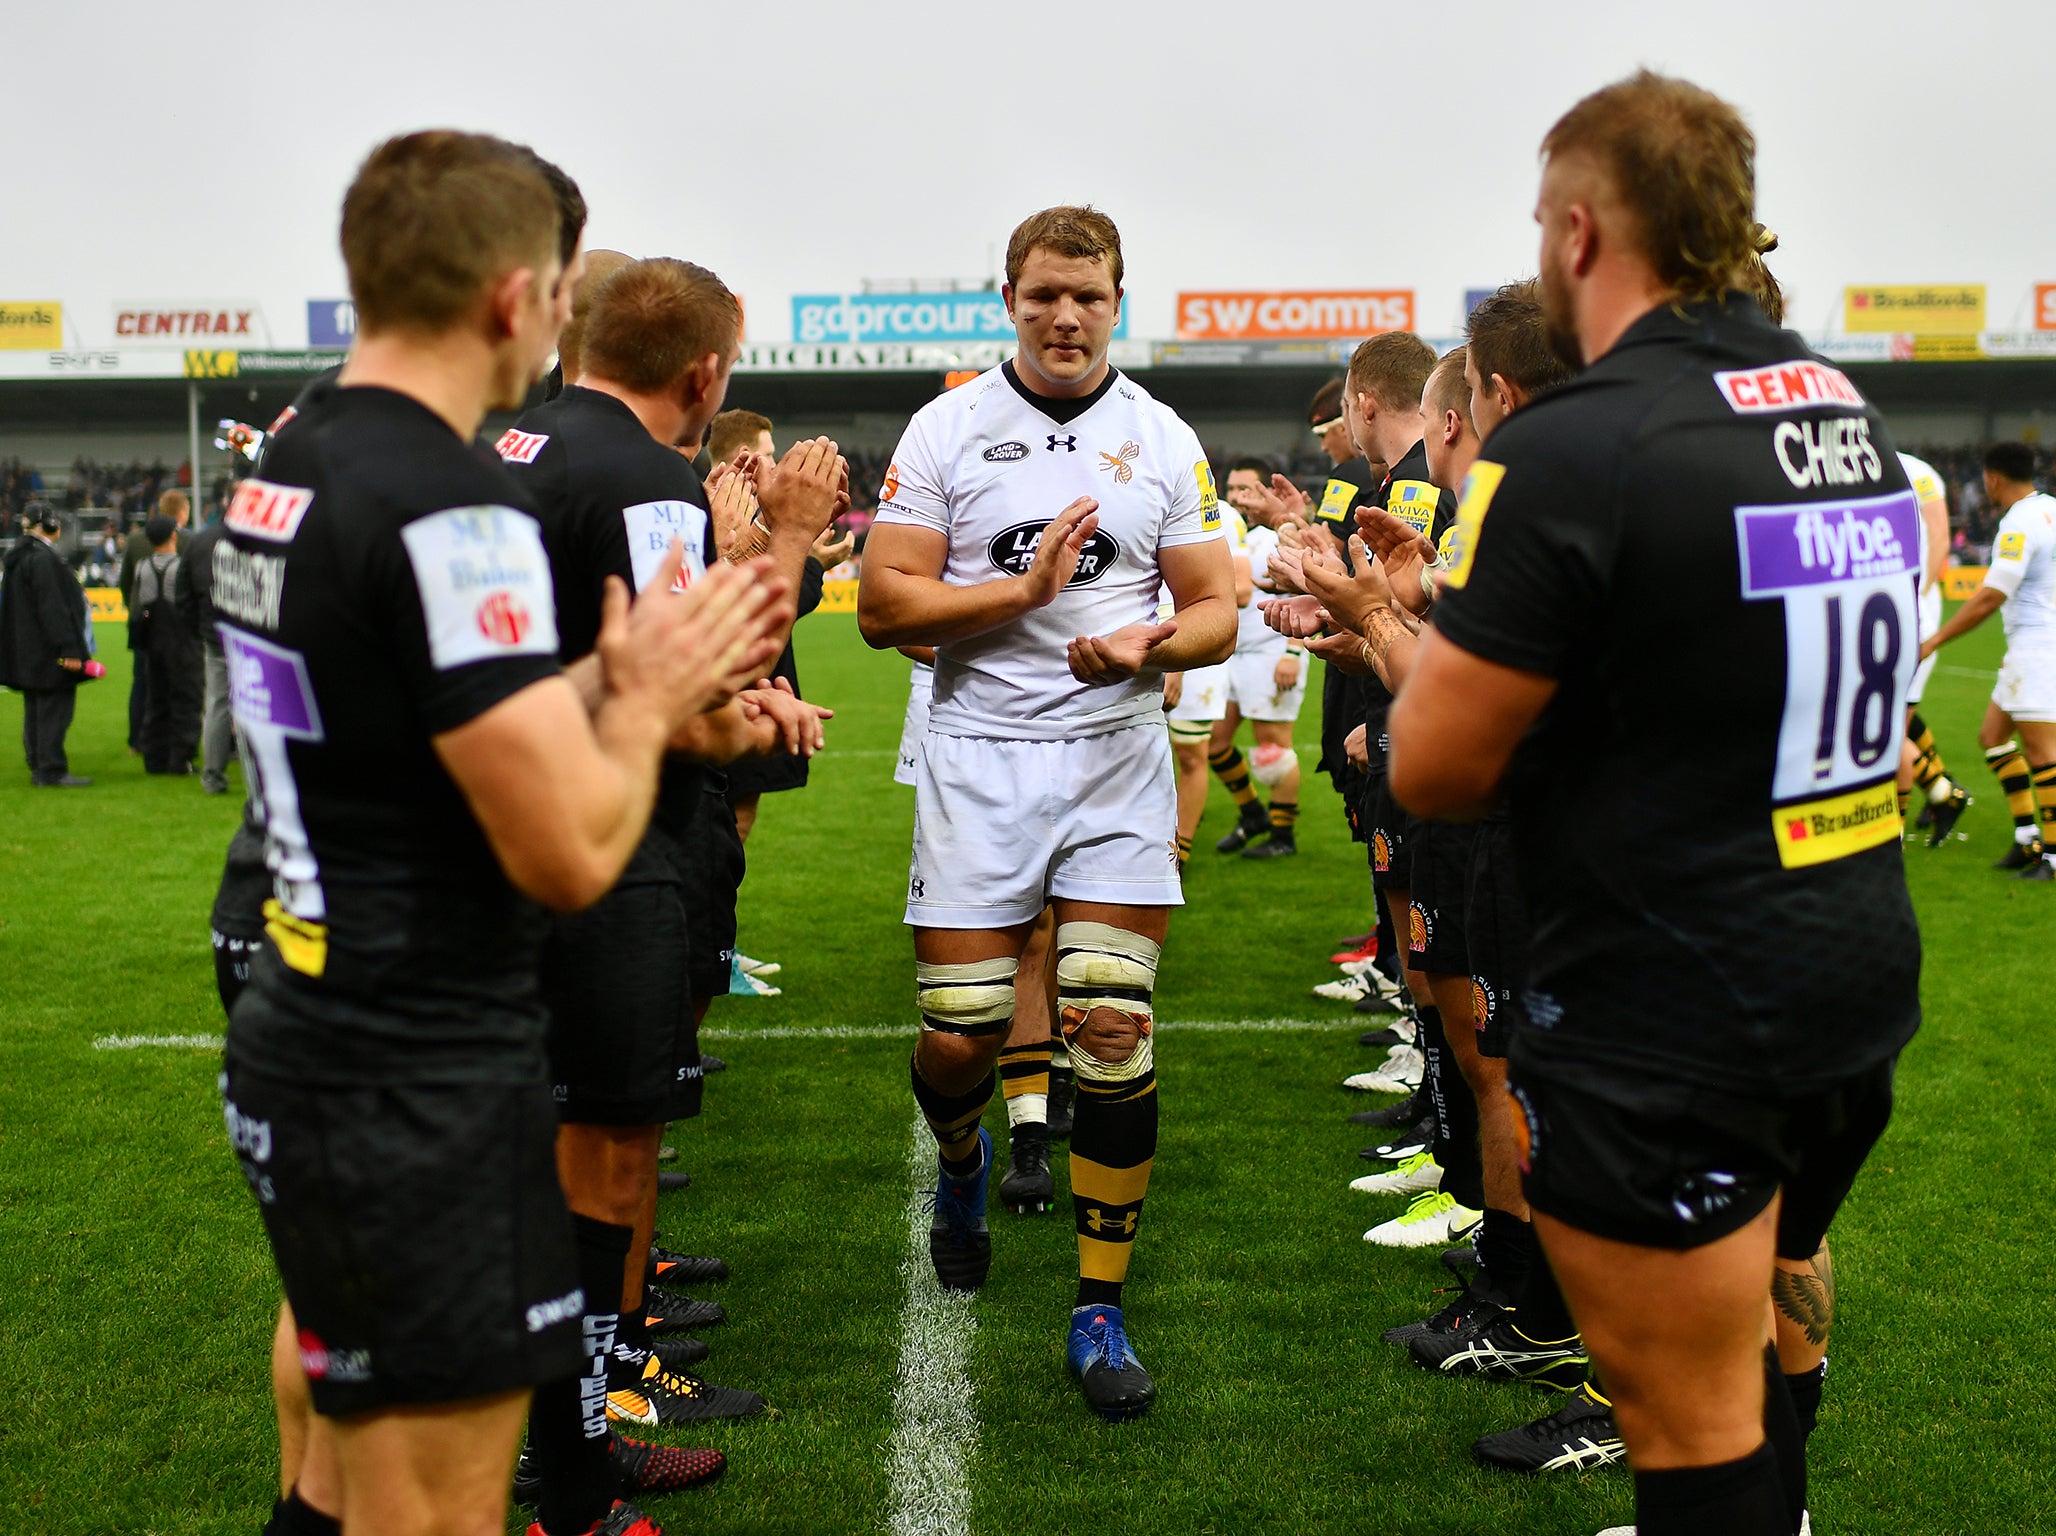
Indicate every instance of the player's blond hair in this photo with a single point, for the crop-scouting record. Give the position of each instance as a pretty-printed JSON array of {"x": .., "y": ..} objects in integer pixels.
[
  {"x": 1392, "y": 369},
  {"x": 654, "y": 319},
  {"x": 599, "y": 266},
  {"x": 732, "y": 430},
  {"x": 1446, "y": 389}
]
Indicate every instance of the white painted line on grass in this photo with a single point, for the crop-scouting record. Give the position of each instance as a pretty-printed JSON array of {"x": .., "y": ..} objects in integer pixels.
[
  {"x": 907, "y": 1031},
  {"x": 145, "y": 1042},
  {"x": 934, "y": 1410},
  {"x": 1943, "y": 666}
]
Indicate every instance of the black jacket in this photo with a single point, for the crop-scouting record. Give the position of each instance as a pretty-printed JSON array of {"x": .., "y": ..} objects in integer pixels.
[
  {"x": 195, "y": 588},
  {"x": 42, "y": 617}
]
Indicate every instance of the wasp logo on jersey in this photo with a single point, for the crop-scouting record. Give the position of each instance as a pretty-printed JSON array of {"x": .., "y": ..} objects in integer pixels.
[
  {"x": 1005, "y": 453},
  {"x": 1122, "y": 463},
  {"x": 1014, "y": 551}
]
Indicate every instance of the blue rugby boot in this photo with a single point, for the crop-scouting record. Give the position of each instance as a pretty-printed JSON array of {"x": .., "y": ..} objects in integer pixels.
[
  {"x": 1116, "y": 1385},
  {"x": 959, "y": 1243}
]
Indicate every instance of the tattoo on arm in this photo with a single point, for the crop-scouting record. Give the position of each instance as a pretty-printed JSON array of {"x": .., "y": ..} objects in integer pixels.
[{"x": 1807, "y": 1296}]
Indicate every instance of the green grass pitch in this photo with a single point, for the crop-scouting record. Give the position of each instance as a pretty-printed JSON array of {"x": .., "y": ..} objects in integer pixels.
[{"x": 136, "y": 1293}]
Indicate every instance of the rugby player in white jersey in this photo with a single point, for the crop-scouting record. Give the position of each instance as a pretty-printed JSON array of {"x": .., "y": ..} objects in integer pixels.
[
  {"x": 1267, "y": 673},
  {"x": 2019, "y": 733},
  {"x": 1029, "y": 521},
  {"x": 1921, "y": 763}
]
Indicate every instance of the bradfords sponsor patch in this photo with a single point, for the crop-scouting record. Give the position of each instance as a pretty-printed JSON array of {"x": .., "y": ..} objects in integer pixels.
[
  {"x": 484, "y": 582},
  {"x": 1014, "y": 551},
  {"x": 1799, "y": 385},
  {"x": 267, "y": 511},
  {"x": 520, "y": 447}
]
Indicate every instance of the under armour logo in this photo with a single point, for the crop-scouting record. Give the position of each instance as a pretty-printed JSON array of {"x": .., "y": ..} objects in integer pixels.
[
  {"x": 1098, "y": 1221},
  {"x": 1070, "y": 443},
  {"x": 918, "y": 887}
]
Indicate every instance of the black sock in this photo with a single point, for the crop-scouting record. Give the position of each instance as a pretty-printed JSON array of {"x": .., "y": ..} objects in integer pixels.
[
  {"x": 953, "y": 1117},
  {"x": 1544, "y": 1316},
  {"x": 567, "y": 1422},
  {"x": 294, "y": 1516},
  {"x": 1736, "y": 1498},
  {"x": 1781, "y": 1433},
  {"x": 1503, "y": 1251},
  {"x": 1456, "y": 1115},
  {"x": 1806, "y": 1388}
]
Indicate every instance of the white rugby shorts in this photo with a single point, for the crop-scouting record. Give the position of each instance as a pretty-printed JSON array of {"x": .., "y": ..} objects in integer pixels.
[
  {"x": 1252, "y": 684},
  {"x": 1930, "y": 611},
  {"x": 920, "y": 691},
  {"x": 1205, "y": 695},
  {"x": 1001, "y": 828},
  {"x": 2027, "y": 682}
]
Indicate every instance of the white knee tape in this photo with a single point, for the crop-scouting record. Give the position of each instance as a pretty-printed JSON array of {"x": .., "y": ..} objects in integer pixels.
[
  {"x": 971, "y": 999},
  {"x": 1100, "y": 966}
]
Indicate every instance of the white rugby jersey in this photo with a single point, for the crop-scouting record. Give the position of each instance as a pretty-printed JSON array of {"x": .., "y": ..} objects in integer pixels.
[
  {"x": 1253, "y": 637},
  {"x": 1927, "y": 487},
  {"x": 988, "y": 465},
  {"x": 2024, "y": 568}
]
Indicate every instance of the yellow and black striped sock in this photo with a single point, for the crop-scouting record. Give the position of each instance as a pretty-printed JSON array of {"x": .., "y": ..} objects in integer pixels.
[
  {"x": 1905, "y": 802},
  {"x": 1927, "y": 767},
  {"x": 1113, "y": 1144},
  {"x": 1024, "y": 1069},
  {"x": 953, "y": 1118},
  {"x": 1233, "y": 773},
  {"x": 1184, "y": 849},
  {"x": 2009, "y": 763},
  {"x": 1284, "y": 815},
  {"x": 2045, "y": 798}
]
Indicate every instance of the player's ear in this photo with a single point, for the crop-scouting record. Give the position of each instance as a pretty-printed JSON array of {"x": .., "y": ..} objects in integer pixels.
[
  {"x": 505, "y": 300},
  {"x": 1006, "y": 297}
]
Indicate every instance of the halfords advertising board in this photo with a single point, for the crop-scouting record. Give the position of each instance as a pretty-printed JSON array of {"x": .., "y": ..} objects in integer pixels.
[
  {"x": 35, "y": 326},
  {"x": 909, "y": 317},
  {"x": 2045, "y": 306},
  {"x": 1943, "y": 309},
  {"x": 1300, "y": 316}
]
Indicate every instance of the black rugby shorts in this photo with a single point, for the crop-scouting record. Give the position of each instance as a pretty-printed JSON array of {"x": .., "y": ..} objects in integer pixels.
[
  {"x": 711, "y": 863},
  {"x": 1664, "y": 1163},
  {"x": 232, "y": 957},
  {"x": 1436, "y": 940},
  {"x": 624, "y": 1049},
  {"x": 420, "y": 1233},
  {"x": 1496, "y": 928},
  {"x": 1389, "y": 830}
]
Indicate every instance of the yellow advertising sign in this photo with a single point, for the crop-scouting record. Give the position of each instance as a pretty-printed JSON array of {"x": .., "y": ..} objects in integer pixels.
[
  {"x": 838, "y": 597},
  {"x": 107, "y": 606},
  {"x": 1947, "y": 309},
  {"x": 35, "y": 326},
  {"x": 213, "y": 365},
  {"x": 1960, "y": 581}
]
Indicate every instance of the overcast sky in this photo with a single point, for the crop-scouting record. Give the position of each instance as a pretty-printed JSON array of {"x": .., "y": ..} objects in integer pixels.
[{"x": 171, "y": 152}]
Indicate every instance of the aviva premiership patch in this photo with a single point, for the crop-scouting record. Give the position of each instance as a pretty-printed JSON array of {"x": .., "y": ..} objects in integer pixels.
[
  {"x": 1209, "y": 498},
  {"x": 1336, "y": 500},
  {"x": 1413, "y": 502},
  {"x": 2012, "y": 546},
  {"x": 1460, "y": 547}
]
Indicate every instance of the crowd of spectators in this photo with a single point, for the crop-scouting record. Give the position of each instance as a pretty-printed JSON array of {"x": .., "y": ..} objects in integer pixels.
[
  {"x": 1971, "y": 516},
  {"x": 130, "y": 490},
  {"x": 19, "y": 484}
]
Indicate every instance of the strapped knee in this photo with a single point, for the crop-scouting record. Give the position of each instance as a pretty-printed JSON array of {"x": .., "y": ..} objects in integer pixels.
[
  {"x": 1196, "y": 731},
  {"x": 1100, "y": 966},
  {"x": 974, "y": 999}
]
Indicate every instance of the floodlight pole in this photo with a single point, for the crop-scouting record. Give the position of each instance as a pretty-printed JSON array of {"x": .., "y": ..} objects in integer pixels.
[{"x": 193, "y": 448}]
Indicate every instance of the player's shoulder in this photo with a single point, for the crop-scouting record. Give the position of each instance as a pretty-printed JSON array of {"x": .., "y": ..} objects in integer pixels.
[
  {"x": 1148, "y": 413},
  {"x": 2031, "y": 514},
  {"x": 384, "y": 459},
  {"x": 955, "y": 413}
]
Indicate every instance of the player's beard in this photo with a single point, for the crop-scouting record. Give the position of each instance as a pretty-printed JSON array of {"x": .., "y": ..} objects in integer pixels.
[{"x": 1559, "y": 320}]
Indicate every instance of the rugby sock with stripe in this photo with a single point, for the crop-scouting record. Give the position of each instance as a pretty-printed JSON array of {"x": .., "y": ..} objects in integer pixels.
[
  {"x": 1734, "y": 1498},
  {"x": 953, "y": 1117},
  {"x": 1929, "y": 771},
  {"x": 1905, "y": 802},
  {"x": 2045, "y": 798},
  {"x": 1233, "y": 773},
  {"x": 2009, "y": 764},
  {"x": 1024, "y": 1081},
  {"x": 1113, "y": 1145},
  {"x": 567, "y": 1421},
  {"x": 1184, "y": 849},
  {"x": 1284, "y": 815}
]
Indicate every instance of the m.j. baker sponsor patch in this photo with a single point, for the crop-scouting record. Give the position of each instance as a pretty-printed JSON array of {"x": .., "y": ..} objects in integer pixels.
[{"x": 484, "y": 582}]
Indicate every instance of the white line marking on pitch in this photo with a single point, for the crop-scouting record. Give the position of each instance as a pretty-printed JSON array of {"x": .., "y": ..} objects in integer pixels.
[
  {"x": 907, "y": 1031},
  {"x": 1965, "y": 671},
  {"x": 934, "y": 1411},
  {"x": 144, "y": 1042}
]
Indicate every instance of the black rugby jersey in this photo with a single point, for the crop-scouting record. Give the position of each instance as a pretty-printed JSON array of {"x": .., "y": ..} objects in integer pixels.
[
  {"x": 1409, "y": 495},
  {"x": 1347, "y": 700},
  {"x": 611, "y": 499},
  {"x": 1707, "y": 540},
  {"x": 385, "y": 586}
]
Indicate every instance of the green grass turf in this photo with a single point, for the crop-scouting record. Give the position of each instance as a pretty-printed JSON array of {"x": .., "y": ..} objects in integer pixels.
[{"x": 136, "y": 1294}]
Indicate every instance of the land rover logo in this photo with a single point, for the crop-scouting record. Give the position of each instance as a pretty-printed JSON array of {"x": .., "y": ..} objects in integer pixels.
[
  {"x": 1006, "y": 453},
  {"x": 1014, "y": 551}
]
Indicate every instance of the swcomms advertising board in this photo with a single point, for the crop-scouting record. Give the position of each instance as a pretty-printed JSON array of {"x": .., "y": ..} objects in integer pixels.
[
  {"x": 1327, "y": 314},
  {"x": 913, "y": 317}
]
